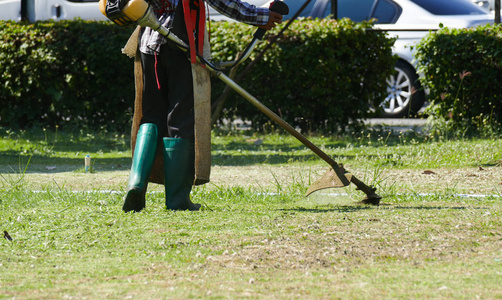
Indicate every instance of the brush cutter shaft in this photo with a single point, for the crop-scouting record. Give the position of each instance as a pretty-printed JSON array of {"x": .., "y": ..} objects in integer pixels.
[
  {"x": 245, "y": 55},
  {"x": 277, "y": 119}
]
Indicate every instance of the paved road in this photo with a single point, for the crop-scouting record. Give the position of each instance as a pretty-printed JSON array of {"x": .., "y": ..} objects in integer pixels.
[{"x": 396, "y": 122}]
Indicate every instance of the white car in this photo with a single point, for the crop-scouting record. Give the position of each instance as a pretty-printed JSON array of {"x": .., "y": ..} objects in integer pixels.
[
  {"x": 409, "y": 21},
  {"x": 37, "y": 10}
]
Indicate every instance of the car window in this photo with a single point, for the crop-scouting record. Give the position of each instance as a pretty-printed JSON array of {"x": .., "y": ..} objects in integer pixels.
[
  {"x": 295, "y": 5},
  {"x": 386, "y": 12},
  {"x": 357, "y": 11},
  {"x": 450, "y": 7}
]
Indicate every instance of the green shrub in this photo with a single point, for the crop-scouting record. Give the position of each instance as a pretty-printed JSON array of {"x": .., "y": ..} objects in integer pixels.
[
  {"x": 322, "y": 75},
  {"x": 67, "y": 73},
  {"x": 463, "y": 70}
]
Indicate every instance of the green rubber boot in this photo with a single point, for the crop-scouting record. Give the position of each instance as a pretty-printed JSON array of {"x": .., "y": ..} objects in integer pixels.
[
  {"x": 179, "y": 173},
  {"x": 142, "y": 162}
]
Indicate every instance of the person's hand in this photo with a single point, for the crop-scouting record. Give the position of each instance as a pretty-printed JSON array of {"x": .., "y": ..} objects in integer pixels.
[{"x": 273, "y": 19}]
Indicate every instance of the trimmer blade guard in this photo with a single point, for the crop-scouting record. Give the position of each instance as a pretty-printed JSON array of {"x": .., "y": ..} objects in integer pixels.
[{"x": 330, "y": 179}]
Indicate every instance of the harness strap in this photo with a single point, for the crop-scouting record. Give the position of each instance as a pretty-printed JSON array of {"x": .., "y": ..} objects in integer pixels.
[
  {"x": 195, "y": 22},
  {"x": 202, "y": 26}
]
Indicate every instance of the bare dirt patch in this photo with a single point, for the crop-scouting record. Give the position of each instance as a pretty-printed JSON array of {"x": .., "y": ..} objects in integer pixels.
[
  {"x": 363, "y": 241},
  {"x": 486, "y": 180}
]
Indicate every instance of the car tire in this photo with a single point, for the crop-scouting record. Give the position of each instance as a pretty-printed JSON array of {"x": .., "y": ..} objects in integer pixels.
[{"x": 405, "y": 94}]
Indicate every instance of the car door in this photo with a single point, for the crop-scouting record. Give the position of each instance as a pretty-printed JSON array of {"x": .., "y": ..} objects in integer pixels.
[
  {"x": 295, "y": 5},
  {"x": 356, "y": 11},
  {"x": 385, "y": 11}
]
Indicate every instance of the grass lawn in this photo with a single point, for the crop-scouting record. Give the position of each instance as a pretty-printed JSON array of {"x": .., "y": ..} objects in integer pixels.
[{"x": 437, "y": 233}]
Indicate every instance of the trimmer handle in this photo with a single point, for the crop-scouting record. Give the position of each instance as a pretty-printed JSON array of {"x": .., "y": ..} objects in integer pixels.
[{"x": 278, "y": 7}]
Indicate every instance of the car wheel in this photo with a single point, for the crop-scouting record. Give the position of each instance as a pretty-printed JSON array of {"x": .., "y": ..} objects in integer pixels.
[{"x": 405, "y": 94}]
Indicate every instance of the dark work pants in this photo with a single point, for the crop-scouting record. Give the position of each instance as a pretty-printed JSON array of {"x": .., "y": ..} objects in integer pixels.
[{"x": 171, "y": 107}]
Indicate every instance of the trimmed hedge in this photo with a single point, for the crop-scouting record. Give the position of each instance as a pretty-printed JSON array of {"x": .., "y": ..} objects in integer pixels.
[
  {"x": 322, "y": 75},
  {"x": 463, "y": 70},
  {"x": 67, "y": 73}
]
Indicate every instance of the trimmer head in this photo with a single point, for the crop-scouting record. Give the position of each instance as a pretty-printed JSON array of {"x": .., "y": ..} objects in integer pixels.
[{"x": 371, "y": 199}]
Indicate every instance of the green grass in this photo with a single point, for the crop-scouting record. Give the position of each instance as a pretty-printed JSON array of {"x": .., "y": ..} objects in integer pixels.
[{"x": 253, "y": 241}]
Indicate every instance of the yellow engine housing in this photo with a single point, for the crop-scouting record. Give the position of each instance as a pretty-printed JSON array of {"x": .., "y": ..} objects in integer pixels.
[{"x": 123, "y": 13}]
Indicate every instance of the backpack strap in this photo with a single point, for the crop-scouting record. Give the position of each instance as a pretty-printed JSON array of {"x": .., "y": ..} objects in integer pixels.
[{"x": 195, "y": 22}]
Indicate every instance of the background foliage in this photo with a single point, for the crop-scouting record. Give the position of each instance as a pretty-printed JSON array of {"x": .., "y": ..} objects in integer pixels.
[
  {"x": 322, "y": 75},
  {"x": 463, "y": 70},
  {"x": 67, "y": 73},
  {"x": 71, "y": 73}
]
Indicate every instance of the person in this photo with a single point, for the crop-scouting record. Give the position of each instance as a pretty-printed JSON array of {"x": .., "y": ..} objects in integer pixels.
[{"x": 168, "y": 96}]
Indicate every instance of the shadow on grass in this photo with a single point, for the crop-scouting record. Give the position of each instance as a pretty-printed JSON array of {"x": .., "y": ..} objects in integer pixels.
[
  {"x": 285, "y": 146},
  {"x": 234, "y": 153},
  {"x": 432, "y": 207},
  {"x": 341, "y": 209},
  {"x": 241, "y": 153},
  {"x": 217, "y": 159},
  {"x": 356, "y": 207}
]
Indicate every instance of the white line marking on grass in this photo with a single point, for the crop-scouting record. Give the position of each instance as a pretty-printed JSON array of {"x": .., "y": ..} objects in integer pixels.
[
  {"x": 112, "y": 192},
  {"x": 400, "y": 194}
]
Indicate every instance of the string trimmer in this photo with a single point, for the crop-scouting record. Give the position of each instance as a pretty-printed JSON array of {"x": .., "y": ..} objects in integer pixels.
[{"x": 127, "y": 12}]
